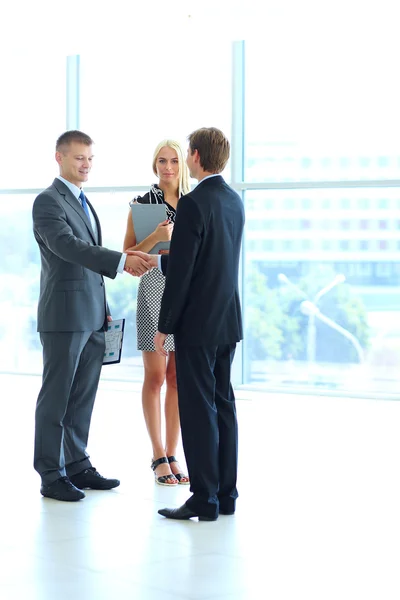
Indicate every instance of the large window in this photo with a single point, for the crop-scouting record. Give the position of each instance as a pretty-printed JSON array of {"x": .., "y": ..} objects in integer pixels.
[
  {"x": 321, "y": 259},
  {"x": 131, "y": 101},
  {"x": 128, "y": 105},
  {"x": 19, "y": 286},
  {"x": 322, "y": 295},
  {"x": 32, "y": 116},
  {"x": 322, "y": 98},
  {"x": 315, "y": 156}
]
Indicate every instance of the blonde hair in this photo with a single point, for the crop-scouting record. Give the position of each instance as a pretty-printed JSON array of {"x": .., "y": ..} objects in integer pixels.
[{"x": 184, "y": 185}]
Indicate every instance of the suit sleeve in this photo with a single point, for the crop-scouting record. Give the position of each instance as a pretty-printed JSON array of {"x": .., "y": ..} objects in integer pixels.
[
  {"x": 51, "y": 226},
  {"x": 179, "y": 264},
  {"x": 164, "y": 263}
]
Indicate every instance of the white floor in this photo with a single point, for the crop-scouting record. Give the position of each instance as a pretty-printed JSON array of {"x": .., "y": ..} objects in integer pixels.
[{"x": 318, "y": 515}]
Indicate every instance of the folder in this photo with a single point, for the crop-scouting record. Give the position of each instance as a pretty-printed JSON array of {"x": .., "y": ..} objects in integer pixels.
[
  {"x": 114, "y": 337},
  {"x": 145, "y": 219}
]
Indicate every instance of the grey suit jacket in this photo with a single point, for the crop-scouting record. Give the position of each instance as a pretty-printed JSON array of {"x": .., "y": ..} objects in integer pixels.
[{"x": 72, "y": 293}]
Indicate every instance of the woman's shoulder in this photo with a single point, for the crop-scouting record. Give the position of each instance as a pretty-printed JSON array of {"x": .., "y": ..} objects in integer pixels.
[{"x": 145, "y": 199}]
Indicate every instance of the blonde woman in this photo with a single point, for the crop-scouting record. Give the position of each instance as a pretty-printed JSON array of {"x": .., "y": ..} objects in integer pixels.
[{"x": 170, "y": 167}]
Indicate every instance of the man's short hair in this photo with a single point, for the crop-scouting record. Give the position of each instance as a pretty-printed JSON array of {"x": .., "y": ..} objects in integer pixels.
[
  {"x": 212, "y": 146},
  {"x": 71, "y": 136}
]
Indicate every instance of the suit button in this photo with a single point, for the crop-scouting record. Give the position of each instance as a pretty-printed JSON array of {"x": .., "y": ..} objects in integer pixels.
[{"x": 101, "y": 284}]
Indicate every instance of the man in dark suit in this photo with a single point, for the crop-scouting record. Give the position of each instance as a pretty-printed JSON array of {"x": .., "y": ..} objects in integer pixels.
[
  {"x": 72, "y": 316},
  {"x": 201, "y": 307}
]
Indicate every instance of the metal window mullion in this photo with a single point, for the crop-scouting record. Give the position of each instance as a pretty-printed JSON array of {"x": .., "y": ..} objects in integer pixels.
[
  {"x": 237, "y": 171},
  {"x": 310, "y": 185},
  {"x": 241, "y": 186},
  {"x": 73, "y": 92}
]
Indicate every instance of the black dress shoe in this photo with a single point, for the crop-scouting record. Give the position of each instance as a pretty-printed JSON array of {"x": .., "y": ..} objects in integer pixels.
[
  {"x": 226, "y": 512},
  {"x": 62, "y": 489},
  {"x": 90, "y": 478},
  {"x": 182, "y": 514}
]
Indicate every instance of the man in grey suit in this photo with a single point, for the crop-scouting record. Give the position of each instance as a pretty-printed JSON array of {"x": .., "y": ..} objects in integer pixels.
[{"x": 72, "y": 316}]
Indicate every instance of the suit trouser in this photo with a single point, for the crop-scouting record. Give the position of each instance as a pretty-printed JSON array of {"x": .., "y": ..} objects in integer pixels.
[
  {"x": 209, "y": 425},
  {"x": 72, "y": 363}
]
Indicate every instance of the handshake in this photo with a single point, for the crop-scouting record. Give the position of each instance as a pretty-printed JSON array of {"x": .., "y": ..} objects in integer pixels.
[{"x": 137, "y": 263}]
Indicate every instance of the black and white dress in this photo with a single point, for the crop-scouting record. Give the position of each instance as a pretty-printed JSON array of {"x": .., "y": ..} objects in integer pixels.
[{"x": 151, "y": 287}]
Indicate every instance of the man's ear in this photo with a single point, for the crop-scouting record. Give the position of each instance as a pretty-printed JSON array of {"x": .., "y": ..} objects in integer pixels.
[{"x": 58, "y": 157}]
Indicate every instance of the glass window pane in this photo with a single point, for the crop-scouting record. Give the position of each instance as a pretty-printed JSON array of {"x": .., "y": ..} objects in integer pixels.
[
  {"x": 20, "y": 347},
  {"x": 324, "y": 111},
  {"x": 133, "y": 100},
  {"x": 321, "y": 306},
  {"x": 32, "y": 116}
]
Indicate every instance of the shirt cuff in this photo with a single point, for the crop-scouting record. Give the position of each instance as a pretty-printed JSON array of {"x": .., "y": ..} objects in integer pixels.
[
  {"x": 159, "y": 262},
  {"x": 120, "y": 268}
]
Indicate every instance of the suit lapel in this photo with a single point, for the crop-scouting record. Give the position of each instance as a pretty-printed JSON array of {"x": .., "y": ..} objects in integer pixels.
[{"x": 75, "y": 204}]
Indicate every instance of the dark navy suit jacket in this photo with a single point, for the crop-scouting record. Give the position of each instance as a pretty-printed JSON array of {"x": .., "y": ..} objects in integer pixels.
[{"x": 200, "y": 305}]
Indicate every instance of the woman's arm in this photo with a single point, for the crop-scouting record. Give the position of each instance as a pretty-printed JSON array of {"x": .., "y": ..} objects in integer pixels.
[{"x": 162, "y": 233}]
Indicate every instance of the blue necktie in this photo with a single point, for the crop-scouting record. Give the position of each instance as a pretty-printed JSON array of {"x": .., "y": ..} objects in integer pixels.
[{"x": 84, "y": 204}]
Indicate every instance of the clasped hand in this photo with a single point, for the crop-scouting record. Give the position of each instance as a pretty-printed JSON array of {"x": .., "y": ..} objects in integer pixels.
[{"x": 138, "y": 263}]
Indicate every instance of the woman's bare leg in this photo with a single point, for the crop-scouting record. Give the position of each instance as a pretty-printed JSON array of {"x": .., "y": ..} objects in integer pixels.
[
  {"x": 172, "y": 420},
  {"x": 154, "y": 375}
]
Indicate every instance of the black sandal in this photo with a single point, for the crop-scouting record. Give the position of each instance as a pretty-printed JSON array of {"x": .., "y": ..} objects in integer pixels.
[
  {"x": 179, "y": 476},
  {"x": 163, "y": 479}
]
